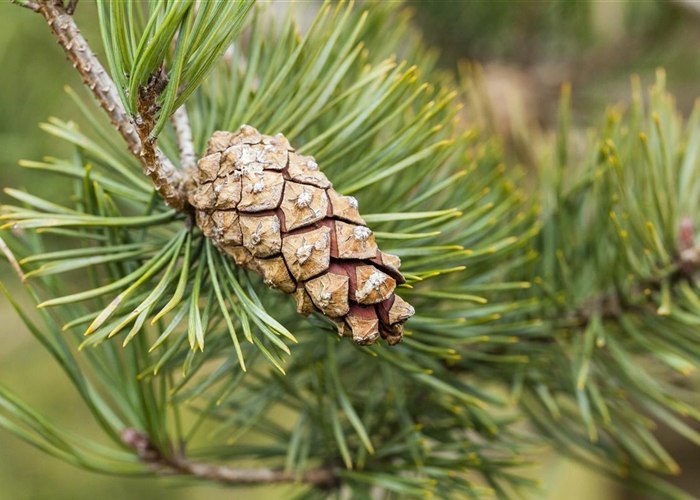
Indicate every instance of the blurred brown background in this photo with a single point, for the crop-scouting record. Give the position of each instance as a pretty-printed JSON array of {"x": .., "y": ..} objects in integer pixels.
[{"x": 527, "y": 48}]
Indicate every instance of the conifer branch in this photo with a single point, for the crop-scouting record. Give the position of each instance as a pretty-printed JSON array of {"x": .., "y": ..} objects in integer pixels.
[
  {"x": 180, "y": 465},
  {"x": 166, "y": 179}
]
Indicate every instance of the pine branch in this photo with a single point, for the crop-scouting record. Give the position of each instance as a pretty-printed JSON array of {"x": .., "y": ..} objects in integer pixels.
[
  {"x": 179, "y": 465},
  {"x": 354, "y": 119},
  {"x": 166, "y": 179}
]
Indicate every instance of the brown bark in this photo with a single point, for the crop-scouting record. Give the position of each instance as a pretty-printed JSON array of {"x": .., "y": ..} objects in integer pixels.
[{"x": 180, "y": 465}]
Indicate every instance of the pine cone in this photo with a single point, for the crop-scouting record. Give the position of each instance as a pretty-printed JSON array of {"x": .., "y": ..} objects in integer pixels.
[{"x": 275, "y": 212}]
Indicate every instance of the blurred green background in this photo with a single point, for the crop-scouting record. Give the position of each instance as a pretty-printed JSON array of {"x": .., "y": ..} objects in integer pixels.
[{"x": 527, "y": 49}]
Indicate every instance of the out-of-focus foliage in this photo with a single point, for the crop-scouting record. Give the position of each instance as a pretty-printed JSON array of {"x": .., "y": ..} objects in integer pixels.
[
  {"x": 538, "y": 31},
  {"x": 530, "y": 48},
  {"x": 623, "y": 305}
]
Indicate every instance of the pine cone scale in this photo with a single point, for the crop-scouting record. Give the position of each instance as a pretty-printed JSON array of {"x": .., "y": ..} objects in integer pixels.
[{"x": 303, "y": 205}]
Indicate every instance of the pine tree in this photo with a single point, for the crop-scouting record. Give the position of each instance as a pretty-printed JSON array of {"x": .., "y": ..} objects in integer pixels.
[{"x": 562, "y": 310}]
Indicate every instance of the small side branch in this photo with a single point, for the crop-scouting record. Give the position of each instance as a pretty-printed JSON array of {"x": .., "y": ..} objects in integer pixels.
[
  {"x": 72, "y": 5},
  {"x": 317, "y": 477},
  {"x": 12, "y": 260},
  {"x": 166, "y": 179},
  {"x": 185, "y": 140},
  {"x": 28, "y": 4},
  {"x": 179, "y": 465}
]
